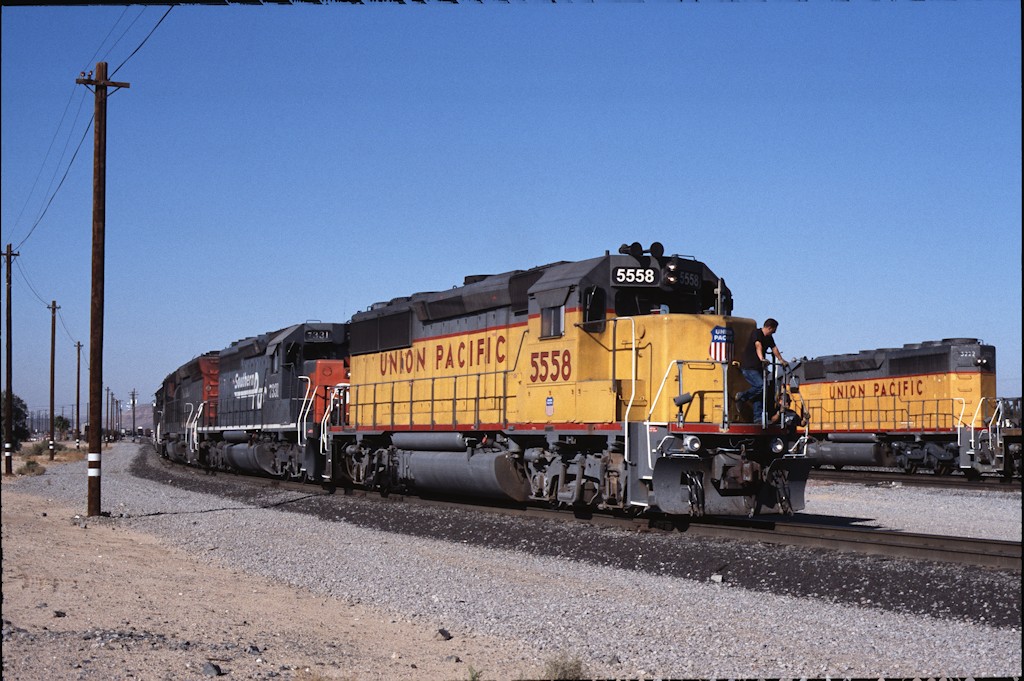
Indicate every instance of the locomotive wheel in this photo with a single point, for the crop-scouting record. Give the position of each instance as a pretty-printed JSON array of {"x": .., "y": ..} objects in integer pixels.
[{"x": 944, "y": 469}]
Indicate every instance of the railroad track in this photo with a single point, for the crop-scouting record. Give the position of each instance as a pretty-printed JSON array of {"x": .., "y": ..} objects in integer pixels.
[
  {"x": 805, "y": 531},
  {"x": 876, "y": 477},
  {"x": 1004, "y": 555}
]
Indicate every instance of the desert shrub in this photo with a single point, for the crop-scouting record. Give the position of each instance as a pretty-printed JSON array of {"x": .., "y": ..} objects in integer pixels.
[
  {"x": 31, "y": 468},
  {"x": 42, "y": 447},
  {"x": 564, "y": 668}
]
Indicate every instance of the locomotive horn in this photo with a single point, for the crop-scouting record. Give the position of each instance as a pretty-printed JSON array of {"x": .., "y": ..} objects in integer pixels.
[{"x": 657, "y": 250}]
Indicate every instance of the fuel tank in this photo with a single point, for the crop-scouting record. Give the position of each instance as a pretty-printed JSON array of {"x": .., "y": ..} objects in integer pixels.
[{"x": 491, "y": 475}]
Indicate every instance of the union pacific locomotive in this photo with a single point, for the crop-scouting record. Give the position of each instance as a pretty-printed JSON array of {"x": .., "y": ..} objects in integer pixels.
[
  {"x": 925, "y": 406},
  {"x": 600, "y": 384}
]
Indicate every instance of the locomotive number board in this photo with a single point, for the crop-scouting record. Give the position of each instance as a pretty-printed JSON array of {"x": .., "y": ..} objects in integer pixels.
[
  {"x": 318, "y": 335},
  {"x": 635, "y": 276}
]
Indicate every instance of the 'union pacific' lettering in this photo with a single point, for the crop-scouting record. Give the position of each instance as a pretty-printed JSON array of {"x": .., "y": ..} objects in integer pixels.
[
  {"x": 469, "y": 353},
  {"x": 403, "y": 361},
  {"x": 845, "y": 392},
  {"x": 907, "y": 387}
]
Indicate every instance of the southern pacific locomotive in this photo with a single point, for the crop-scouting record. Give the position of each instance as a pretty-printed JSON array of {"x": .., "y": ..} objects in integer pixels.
[
  {"x": 599, "y": 384},
  {"x": 925, "y": 406}
]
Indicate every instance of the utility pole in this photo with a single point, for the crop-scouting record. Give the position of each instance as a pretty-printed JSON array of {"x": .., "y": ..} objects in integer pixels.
[
  {"x": 78, "y": 398},
  {"x": 9, "y": 255},
  {"x": 106, "y": 421},
  {"x": 99, "y": 226},
  {"x": 134, "y": 395},
  {"x": 53, "y": 359}
]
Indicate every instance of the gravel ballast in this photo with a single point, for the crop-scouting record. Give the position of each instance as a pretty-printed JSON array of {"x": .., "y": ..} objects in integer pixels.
[{"x": 626, "y": 605}]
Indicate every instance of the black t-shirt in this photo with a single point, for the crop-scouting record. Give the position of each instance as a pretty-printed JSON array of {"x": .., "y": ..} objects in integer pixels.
[{"x": 750, "y": 360}]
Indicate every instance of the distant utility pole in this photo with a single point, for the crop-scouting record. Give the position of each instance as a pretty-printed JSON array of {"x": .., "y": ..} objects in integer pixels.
[
  {"x": 78, "y": 397},
  {"x": 9, "y": 255},
  {"x": 134, "y": 395},
  {"x": 99, "y": 226},
  {"x": 53, "y": 359}
]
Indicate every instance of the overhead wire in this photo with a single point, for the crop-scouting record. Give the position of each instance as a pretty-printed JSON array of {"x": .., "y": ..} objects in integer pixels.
[
  {"x": 55, "y": 191},
  {"x": 78, "y": 148},
  {"x": 42, "y": 166},
  {"x": 143, "y": 41},
  {"x": 104, "y": 41},
  {"x": 28, "y": 282},
  {"x": 72, "y": 161},
  {"x": 53, "y": 195},
  {"x": 123, "y": 34}
]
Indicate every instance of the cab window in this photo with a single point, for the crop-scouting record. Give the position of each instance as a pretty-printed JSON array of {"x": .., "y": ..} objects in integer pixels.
[{"x": 552, "y": 321}]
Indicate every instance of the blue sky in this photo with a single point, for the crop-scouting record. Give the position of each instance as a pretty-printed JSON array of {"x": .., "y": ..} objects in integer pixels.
[{"x": 852, "y": 169}]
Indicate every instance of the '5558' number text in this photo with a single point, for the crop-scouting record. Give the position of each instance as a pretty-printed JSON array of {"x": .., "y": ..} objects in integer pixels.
[{"x": 550, "y": 365}]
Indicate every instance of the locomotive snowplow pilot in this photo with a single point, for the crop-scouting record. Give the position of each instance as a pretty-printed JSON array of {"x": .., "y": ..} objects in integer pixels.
[{"x": 753, "y": 362}]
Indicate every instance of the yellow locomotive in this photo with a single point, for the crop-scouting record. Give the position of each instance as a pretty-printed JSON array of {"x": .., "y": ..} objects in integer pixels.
[
  {"x": 923, "y": 406},
  {"x": 599, "y": 384}
]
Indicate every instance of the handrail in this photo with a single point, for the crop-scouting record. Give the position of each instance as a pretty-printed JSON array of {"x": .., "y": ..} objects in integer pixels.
[
  {"x": 338, "y": 390},
  {"x": 195, "y": 425},
  {"x": 391, "y": 400},
  {"x": 975, "y": 418},
  {"x": 304, "y": 409},
  {"x": 679, "y": 364},
  {"x": 963, "y": 409},
  {"x": 188, "y": 423},
  {"x": 632, "y": 392},
  {"x": 664, "y": 379},
  {"x": 888, "y": 413}
]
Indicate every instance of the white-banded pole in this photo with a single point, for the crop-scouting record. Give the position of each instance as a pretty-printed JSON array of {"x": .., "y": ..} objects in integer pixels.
[
  {"x": 53, "y": 359},
  {"x": 9, "y": 403},
  {"x": 99, "y": 222}
]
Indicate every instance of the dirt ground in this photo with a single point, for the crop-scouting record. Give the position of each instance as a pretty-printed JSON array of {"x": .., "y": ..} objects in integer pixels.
[{"x": 85, "y": 599}]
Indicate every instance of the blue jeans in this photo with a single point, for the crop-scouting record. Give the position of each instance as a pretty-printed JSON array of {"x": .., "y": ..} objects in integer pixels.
[{"x": 755, "y": 377}]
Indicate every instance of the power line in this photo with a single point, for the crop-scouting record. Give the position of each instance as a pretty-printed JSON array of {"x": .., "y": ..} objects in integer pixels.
[
  {"x": 143, "y": 41},
  {"x": 92, "y": 59},
  {"x": 28, "y": 283},
  {"x": 42, "y": 166},
  {"x": 65, "y": 326},
  {"x": 54, "y": 194},
  {"x": 123, "y": 33}
]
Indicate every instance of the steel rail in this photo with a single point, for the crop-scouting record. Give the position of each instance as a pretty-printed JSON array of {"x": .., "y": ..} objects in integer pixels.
[
  {"x": 1001, "y": 554},
  {"x": 989, "y": 483}
]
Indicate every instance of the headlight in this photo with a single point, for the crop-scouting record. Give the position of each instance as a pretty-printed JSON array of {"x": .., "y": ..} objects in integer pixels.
[
  {"x": 778, "y": 446},
  {"x": 691, "y": 443}
]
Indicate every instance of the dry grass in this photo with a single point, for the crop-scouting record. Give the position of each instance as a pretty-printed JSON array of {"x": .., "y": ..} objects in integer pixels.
[
  {"x": 32, "y": 456},
  {"x": 564, "y": 668}
]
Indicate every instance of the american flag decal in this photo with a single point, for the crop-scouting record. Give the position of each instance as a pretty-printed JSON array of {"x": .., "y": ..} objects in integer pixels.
[{"x": 722, "y": 344}]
